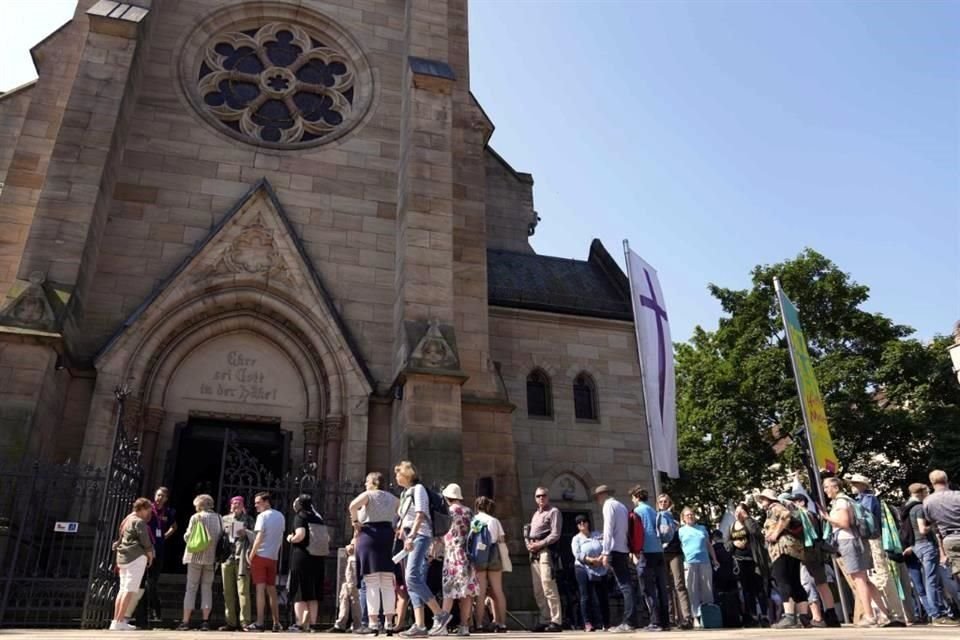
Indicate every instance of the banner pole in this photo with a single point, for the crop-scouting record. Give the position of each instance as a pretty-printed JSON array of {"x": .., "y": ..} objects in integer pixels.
[
  {"x": 814, "y": 463},
  {"x": 643, "y": 380}
]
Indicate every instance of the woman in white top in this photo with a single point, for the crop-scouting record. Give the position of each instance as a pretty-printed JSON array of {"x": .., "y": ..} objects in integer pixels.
[
  {"x": 372, "y": 514},
  {"x": 490, "y": 576}
]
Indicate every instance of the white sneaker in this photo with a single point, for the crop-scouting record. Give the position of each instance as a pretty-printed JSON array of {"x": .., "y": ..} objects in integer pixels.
[{"x": 113, "y": 626}]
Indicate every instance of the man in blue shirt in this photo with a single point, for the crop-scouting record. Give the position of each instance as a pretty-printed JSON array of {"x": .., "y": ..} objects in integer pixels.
[
  {"x": 615, "y": 551},
  {"x": 651, "y": 567}
]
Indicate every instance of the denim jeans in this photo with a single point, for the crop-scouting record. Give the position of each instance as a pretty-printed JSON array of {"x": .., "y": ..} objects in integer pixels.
[
  {"x": 922, "y": 566},
  {"x": 594, "y": 605},
  {"x": 621, "y": 571},
  {"x": 416, "y": 573},
  {"x": 364, "y": 614},
  {"x": 652, "y": 572}
]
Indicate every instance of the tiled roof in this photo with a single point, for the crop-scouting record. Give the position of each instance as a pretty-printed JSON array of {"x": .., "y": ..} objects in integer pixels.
[{"x": 595, "y": 287}]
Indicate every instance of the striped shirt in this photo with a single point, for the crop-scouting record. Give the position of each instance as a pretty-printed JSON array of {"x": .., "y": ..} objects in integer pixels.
[{"x": 210, "y": 520}]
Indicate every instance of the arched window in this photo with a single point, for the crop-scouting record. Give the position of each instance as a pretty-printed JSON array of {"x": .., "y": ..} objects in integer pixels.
[
  {"x": 584, "y": 397},
  {"x": 539, "y": 398}
]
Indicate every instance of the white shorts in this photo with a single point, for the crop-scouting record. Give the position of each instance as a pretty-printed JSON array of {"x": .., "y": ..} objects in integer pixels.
[{"x": 131, "y": 575}]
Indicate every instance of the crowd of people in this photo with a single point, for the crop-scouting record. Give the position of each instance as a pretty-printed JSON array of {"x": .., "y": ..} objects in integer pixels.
[{"x": 770, "y": 564}]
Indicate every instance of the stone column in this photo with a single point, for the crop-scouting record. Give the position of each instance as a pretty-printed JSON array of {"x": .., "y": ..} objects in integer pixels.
[
  {"x": 332, "y": 440},
  {"x": 150, "y": 424},
  {"x": 312, "y": 436},
  {"x": 427, "y": 422}
]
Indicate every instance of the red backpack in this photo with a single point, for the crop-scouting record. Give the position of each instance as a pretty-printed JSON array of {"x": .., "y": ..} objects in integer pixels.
[{"x": 635, "y": 533}]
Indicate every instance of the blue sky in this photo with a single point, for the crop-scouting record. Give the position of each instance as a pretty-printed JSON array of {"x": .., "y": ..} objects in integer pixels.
[{"x": 716, "y": 136}]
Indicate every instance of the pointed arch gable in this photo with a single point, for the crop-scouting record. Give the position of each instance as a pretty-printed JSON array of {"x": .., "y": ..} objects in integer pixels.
[{"x": 253, "y": 246}]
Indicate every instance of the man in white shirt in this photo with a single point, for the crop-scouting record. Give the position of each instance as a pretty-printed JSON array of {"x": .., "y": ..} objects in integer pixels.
[
  {"x": 263, "y": 558},
  {"x": 616, "y": 551}
]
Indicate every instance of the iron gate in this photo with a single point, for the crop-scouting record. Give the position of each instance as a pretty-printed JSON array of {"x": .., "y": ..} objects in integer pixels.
[
  {"x": 46, "y": 571},
  {"x": 124, "y": 478},
  {"x": 57, "y": 523}
]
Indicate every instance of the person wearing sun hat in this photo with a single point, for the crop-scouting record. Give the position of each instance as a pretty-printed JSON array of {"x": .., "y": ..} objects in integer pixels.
[
  {"x": 459, "y": 579},
  {"x": 880, "y": 575},
  {"x": 785, "y": 547}
]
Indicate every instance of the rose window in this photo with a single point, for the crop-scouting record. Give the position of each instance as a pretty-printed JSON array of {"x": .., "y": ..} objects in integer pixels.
[{"x": 276, "y": 84}]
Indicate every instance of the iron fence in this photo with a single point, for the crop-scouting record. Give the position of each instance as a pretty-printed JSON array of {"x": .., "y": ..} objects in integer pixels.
[{"x": 48, "y": 524}]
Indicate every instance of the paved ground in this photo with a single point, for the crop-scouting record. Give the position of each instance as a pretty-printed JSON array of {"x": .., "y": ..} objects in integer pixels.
[{"x": 928, "y": 633}]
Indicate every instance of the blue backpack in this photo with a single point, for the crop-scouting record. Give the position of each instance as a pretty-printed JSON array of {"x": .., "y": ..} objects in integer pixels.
[
  {"x": 667, "y": 528},
  {"x": 482, "y": 551},
  {"x": 867, "y": 526}
]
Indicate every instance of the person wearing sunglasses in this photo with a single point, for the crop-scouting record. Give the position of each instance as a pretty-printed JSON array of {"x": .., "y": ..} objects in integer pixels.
[{"x": 541, "y": 535}]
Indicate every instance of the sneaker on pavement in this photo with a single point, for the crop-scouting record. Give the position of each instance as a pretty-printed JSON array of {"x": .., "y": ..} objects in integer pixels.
[
  {"x": 788, "y": 621},
  {"x": 415, "y": 632},
  {"x": 463, "y": 631},
  {"x": 653, "y": 627},
  {"x": 944, "y": 621},
  {"x": 895, "y": 623},
  {"x": 866, "y": 622},
  {"x": 553, "y": 628},
  {"x": 622, "y": 628}
]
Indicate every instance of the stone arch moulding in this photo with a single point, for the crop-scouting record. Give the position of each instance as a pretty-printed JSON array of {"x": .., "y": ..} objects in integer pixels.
[
  {"x": 249, "y": 274},
  {"x": 574, "y": 470},
  {"x": 312, "y": 376}
]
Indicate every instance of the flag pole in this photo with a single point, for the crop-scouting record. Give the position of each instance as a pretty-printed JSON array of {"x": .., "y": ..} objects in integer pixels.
[
  {"x": 814, "y": 463},
  {"x": 643, "y": 385}
]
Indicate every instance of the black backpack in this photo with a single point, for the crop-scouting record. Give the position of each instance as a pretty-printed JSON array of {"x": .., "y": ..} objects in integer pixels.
[
  {"x": 908, "y": 537},
  {"x": 440, "y": 519}
]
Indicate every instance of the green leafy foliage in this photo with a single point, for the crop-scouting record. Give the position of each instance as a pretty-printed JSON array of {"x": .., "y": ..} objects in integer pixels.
[{"x": 893, "y": 403}]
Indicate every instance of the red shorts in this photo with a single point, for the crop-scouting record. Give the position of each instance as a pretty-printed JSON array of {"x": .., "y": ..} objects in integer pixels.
[{"x": 263, "y": 570}]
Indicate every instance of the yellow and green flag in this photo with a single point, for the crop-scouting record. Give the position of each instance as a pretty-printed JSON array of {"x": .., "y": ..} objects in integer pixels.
[{"x": 810, "y": 400}]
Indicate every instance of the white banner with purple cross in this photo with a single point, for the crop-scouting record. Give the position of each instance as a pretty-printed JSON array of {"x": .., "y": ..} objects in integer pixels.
[{"x": 656, "y": 361}]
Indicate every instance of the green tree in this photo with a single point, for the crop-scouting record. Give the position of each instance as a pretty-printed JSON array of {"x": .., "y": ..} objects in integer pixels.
[{"x": 891, "y": 402}]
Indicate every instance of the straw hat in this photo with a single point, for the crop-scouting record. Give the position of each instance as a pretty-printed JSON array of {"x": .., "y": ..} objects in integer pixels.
[
  {"x": 453, "y": 491},
  {"x": 601, "y": 490},
  {"x": 859, "y": 478},
  {"x": 769, "y": 494}
]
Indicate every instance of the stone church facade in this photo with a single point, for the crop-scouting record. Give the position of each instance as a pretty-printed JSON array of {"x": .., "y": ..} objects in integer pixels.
[{"x": 285, "y": 217}]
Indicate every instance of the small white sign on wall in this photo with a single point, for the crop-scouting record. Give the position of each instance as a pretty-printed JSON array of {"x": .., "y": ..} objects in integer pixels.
[{"x": 66, "y": 527}]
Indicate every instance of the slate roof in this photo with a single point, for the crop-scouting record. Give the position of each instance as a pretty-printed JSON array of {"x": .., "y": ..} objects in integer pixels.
[{"x": 595, "y": 287}]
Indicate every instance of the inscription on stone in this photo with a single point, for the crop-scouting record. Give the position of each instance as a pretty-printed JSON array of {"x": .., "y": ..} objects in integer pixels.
[{"x": 239, "y": 380}]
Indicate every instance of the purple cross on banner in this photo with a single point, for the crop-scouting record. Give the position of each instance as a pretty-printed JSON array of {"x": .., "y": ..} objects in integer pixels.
[
  {"x": 661, "y": 315},
  {"x": 656, "y": 360}
]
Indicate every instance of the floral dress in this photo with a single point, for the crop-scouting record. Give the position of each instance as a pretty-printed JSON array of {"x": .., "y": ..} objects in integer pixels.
[{"x": 459, "y": 580}]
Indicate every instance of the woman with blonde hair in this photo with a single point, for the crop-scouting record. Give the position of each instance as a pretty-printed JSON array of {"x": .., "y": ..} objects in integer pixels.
[
  {"x": 416, "y": 532},
  {"x": 200, "y": 562},
  {"x": 699, "y": 561},
  {"x": 371, "y": 514}
]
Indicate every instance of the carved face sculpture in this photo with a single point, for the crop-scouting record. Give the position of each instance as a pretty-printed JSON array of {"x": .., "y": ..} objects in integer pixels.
[
  {"x": 29, "y": 309},
  {"x": 434, "y": 353}
]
